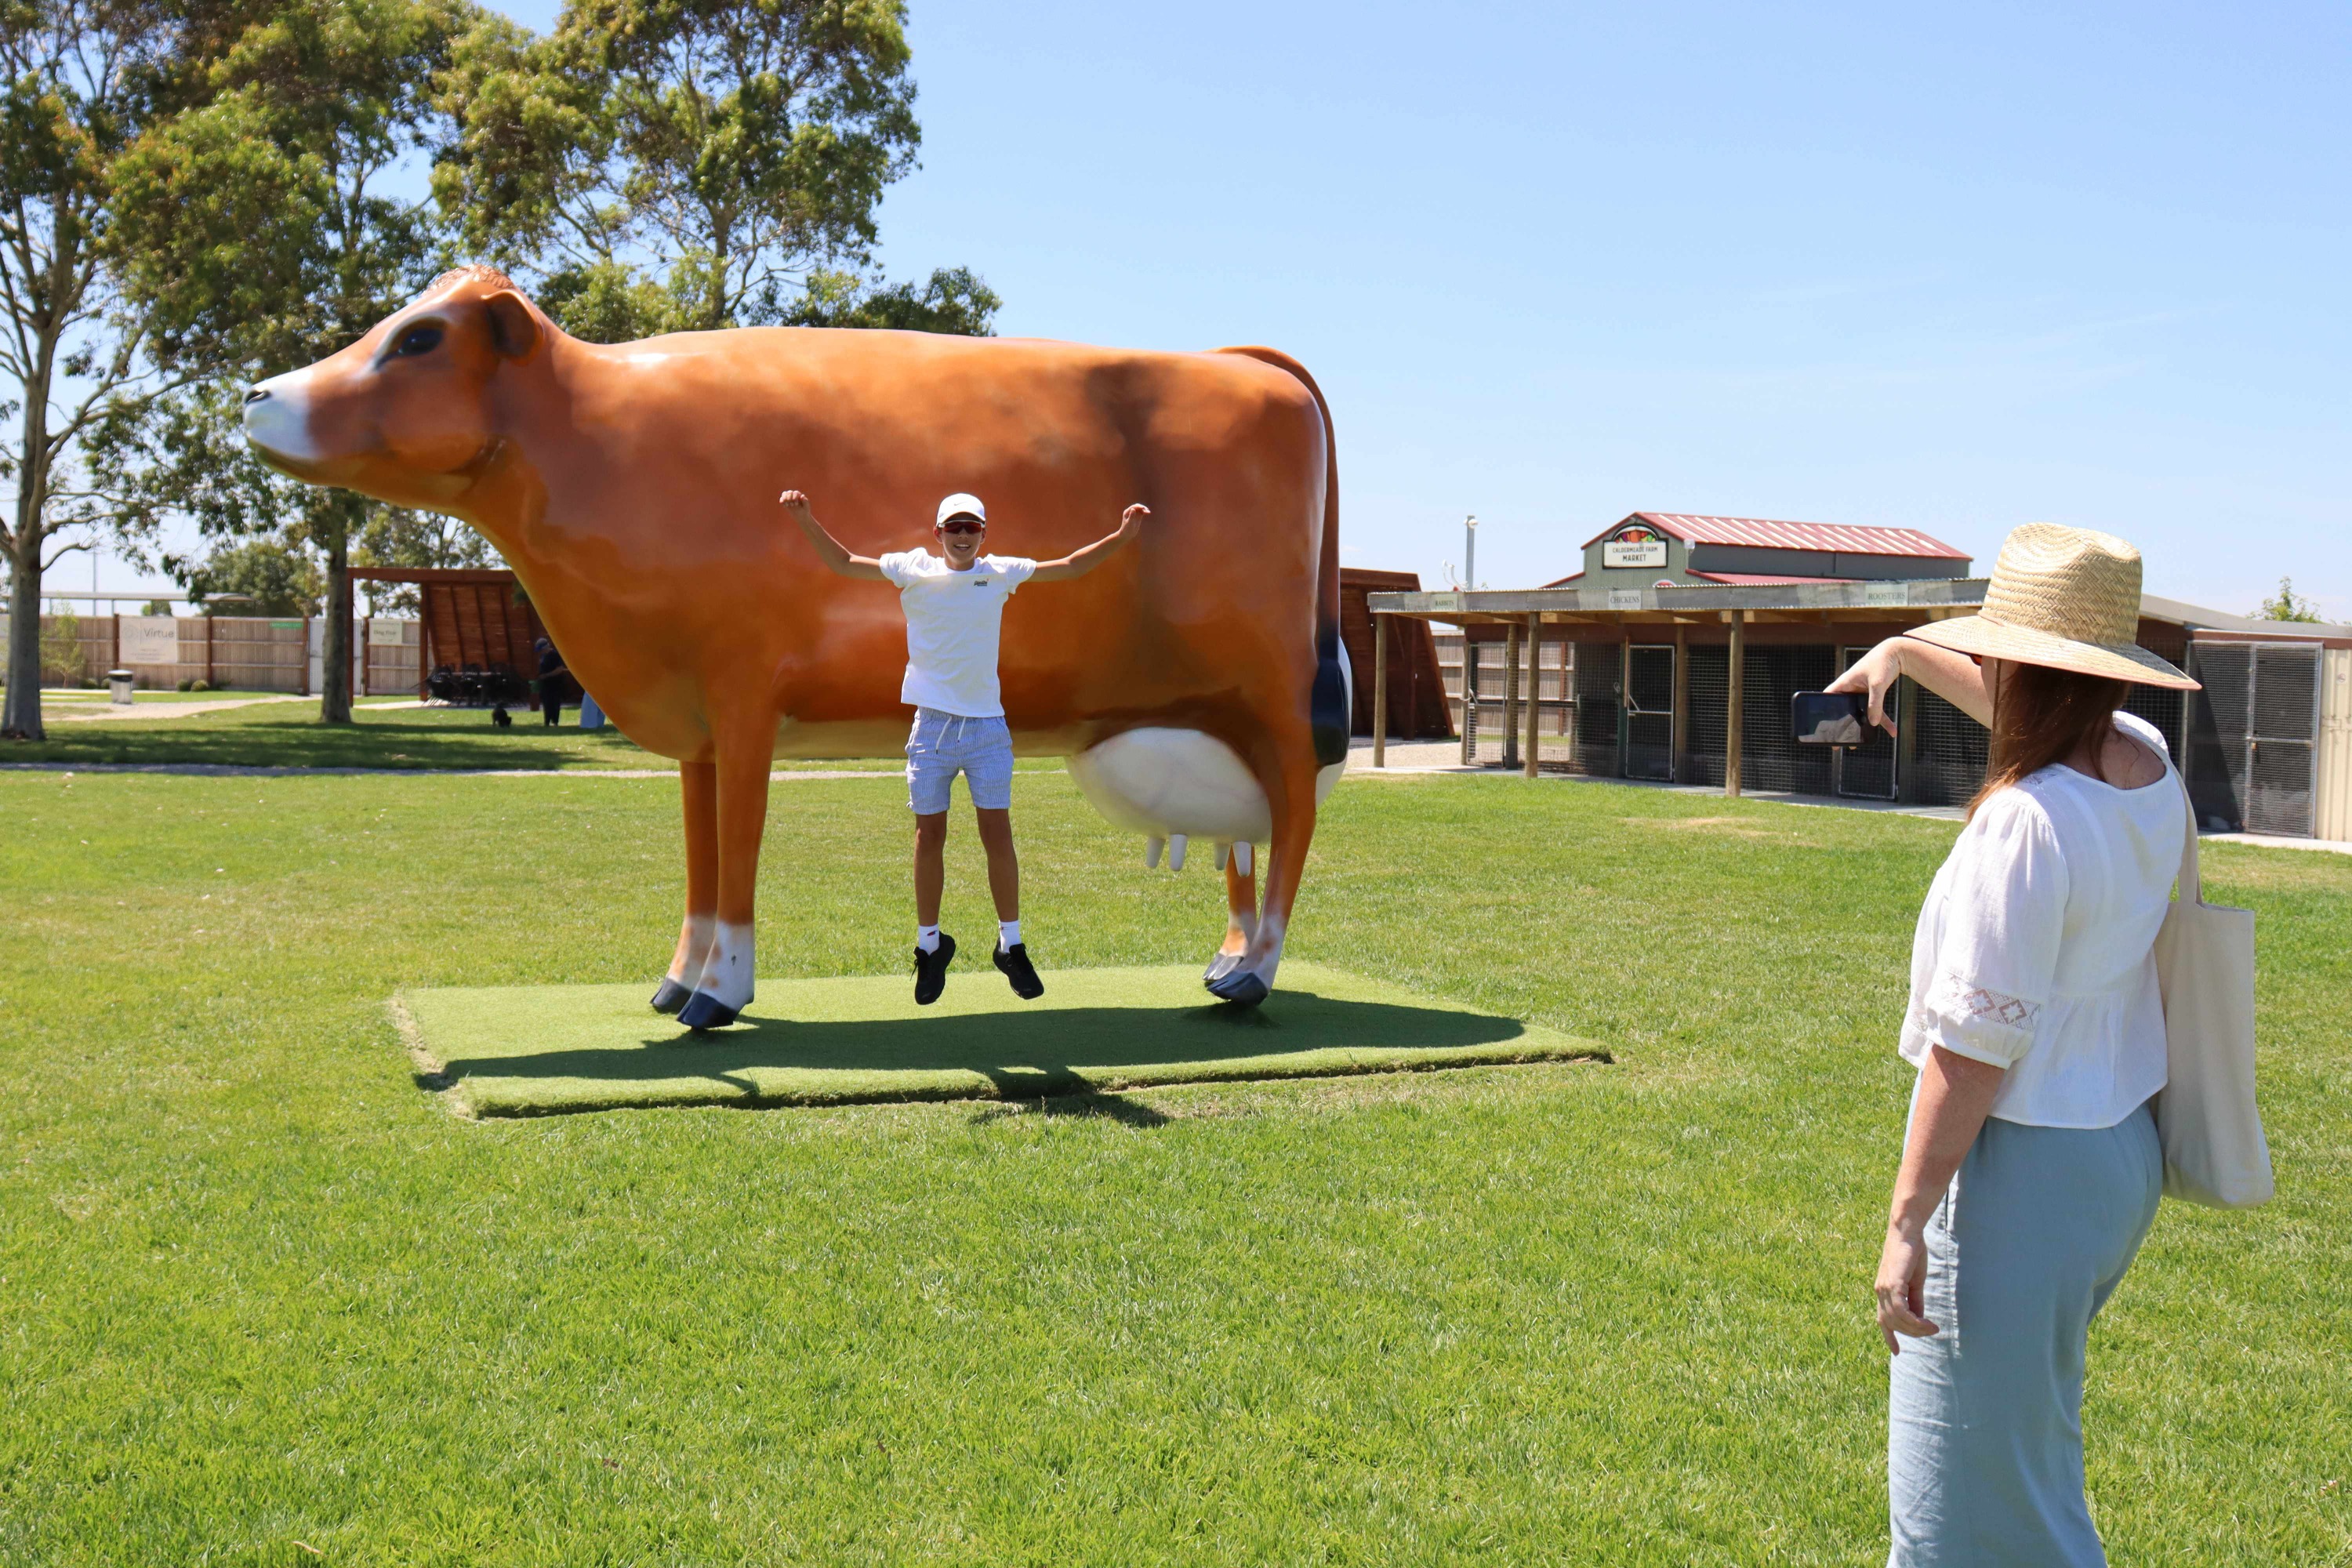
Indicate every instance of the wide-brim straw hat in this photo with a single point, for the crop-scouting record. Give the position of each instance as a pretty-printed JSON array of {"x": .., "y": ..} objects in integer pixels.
[{"x": 2065, "y": 597}]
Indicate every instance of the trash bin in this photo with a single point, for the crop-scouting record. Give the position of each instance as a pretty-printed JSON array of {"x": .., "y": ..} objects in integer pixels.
[
  {"x": 590, "y": 716},
  {"x": 119, "y": 682}
]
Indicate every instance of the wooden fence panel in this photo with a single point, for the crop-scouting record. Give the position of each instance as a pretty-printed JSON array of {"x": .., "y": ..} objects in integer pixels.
[{"x": 243, "y": 653}]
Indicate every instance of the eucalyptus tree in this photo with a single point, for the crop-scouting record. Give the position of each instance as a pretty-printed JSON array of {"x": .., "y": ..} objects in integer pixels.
[
  {"x": 264, "y": 223},
  {"x": 658, "y": 165},
  {"x": 73, "y": 75}
]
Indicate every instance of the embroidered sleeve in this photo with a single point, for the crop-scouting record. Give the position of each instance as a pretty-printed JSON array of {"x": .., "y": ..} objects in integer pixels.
[
  {"x": 1976, "y": 1021},
  {"x": 2005, "y": 918}
]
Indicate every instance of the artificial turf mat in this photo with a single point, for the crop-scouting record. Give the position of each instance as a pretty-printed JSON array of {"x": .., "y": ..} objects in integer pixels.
[{"x": 530, "y": 1050}]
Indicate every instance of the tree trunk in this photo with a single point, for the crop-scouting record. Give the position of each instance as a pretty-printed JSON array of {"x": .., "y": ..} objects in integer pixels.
[
  {"x": 20, "y": 717},
  {"x": 335, "y": 684}
]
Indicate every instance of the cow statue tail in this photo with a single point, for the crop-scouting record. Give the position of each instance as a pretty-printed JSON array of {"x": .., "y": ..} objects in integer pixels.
[{"x": 1330, "y": 703}]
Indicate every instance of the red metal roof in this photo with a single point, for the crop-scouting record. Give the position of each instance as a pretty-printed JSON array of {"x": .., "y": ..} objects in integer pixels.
[
  {"x": 1766, "y": 534},
  {"x": 1749, "y": 579}
]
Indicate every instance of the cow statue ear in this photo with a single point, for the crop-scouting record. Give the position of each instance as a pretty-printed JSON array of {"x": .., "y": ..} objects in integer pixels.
[{"x": 515, "y": 331}]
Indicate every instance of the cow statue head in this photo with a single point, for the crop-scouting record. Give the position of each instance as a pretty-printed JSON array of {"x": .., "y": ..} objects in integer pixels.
[{"x": 404, "y": 413}]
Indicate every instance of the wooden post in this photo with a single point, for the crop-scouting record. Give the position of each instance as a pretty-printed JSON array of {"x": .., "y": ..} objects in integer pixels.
[
  {"x": 304, "y": 665},
  {"x": 1738, "y": 704},
  {"x": 1469, "y": 698},
  {"x": 1624, "y": 698},
  {"x": 1679, "y": 741},
  {"x": 209, "y": 649},
  {"x": 1511, "y": 695},
  {"x": 1535, "y": 692},
  {"x": 1906, "y": 739},
  {"x": 1380, "y": 691}
]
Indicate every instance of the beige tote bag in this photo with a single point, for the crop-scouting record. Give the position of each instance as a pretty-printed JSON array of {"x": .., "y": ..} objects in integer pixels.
[{"x": 2214, "y": 1152}]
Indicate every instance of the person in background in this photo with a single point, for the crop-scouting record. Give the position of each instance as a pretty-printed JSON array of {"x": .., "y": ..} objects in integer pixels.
[
  {"x": 553, "y": 683},
  {"x": 2031, "y": 1170}
]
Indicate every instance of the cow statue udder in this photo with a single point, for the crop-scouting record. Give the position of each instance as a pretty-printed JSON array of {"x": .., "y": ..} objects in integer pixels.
[{"x": 1196, "y": 682}]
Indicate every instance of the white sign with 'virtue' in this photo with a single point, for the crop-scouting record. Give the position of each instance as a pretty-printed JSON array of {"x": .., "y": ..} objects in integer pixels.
[{"x": 148, "y": 639}]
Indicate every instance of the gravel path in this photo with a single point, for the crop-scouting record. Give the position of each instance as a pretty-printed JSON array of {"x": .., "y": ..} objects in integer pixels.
[{"x": 112, "y": 710}]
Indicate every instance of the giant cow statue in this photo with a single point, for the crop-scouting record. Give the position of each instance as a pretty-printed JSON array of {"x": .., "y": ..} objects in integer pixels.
[{"x": 1196, "y": 682}]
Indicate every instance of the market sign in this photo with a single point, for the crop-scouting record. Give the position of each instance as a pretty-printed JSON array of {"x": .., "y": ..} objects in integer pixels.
[{"x": 1635, "y": 545}]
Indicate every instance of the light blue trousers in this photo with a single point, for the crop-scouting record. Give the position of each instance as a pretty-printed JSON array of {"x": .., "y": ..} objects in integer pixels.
[{"x": 1984, "y": 1431}]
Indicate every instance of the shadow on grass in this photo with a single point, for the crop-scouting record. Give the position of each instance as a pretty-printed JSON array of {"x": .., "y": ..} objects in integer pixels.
[
  {"x": 290, "y": 735},
  {"x": 1079, "y": 1105},
  {"x": 1023, "y": 1056}
]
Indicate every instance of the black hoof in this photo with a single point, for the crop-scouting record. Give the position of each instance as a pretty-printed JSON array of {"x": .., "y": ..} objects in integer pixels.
[
  {"x": 1241, "y": 987},
  {"x": 1224, "y": 963},
  {"x": 670, "y": 996},
  {"x": 705, "y": 1011}
]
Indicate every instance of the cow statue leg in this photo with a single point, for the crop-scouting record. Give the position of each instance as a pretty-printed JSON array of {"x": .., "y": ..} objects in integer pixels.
[
  {"x": 1289, "y": 784},
  {"x": 1241, "y": 913},
  {"x": 699, "y": 789},
  {"x": 724, "y": 987}
]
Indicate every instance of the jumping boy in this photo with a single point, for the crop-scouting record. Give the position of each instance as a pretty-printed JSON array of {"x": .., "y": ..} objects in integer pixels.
[{"x": 954, "y": 604}]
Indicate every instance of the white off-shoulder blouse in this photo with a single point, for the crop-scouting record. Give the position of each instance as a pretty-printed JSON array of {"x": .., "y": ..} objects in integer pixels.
[{"x": 2035, "y": 948}]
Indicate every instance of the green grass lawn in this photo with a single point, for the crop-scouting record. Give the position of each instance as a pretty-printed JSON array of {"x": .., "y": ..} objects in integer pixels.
[
  {"x": 260, "y": 1289},
  {"x": 288, "y": 734},
  {"x": 385, "y": 733}
]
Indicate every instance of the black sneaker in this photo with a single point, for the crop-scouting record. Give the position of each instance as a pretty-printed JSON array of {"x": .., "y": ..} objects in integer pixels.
[
  {"x": 1014, "y": 962},
  {"x": 932, "y": 971}
]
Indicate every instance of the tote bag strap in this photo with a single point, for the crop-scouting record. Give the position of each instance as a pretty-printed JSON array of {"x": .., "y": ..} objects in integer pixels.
[{"x": 2193, "y": 889}]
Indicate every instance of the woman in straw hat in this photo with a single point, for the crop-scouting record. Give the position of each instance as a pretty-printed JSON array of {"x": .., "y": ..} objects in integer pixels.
[{"x": 2031, "y": 1170}]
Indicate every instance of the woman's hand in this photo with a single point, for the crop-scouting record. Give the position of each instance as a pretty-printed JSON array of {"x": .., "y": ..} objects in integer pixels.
[
  {"x": 1874, "y": 673},
  {"x": 1901, "y": 1284}
]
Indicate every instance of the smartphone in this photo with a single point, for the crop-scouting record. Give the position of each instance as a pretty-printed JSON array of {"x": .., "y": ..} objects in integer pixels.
[{"x": 1829, "y": 718}]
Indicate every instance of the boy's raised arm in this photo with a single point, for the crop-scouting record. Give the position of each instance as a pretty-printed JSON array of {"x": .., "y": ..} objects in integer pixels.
[
  {"x": 1078, "y": 562},
  {"x": 829, "y": 550}
]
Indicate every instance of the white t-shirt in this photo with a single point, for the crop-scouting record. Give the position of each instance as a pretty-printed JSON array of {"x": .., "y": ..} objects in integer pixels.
[
  {"x": 952, "y": 619},
  {"x": 2035, "y": 948}
]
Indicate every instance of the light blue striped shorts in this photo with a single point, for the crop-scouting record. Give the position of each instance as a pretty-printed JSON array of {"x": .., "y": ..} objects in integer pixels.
[{"x": 942, "y": 746}]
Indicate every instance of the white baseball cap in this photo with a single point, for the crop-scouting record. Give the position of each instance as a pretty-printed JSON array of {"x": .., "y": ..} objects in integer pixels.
[{"x": 961, "y": 505}]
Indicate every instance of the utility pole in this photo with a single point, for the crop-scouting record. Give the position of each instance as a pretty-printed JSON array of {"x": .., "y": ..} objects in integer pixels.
[{"x": 1470, "y": 553}]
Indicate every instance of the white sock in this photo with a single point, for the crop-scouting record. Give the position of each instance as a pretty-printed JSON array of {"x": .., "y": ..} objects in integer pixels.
[
  {"x": 927, "y": 939},
  {"x": 1008, "y": 933}
]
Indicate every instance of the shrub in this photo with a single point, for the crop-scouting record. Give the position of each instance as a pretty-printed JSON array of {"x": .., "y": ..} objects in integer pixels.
[{"x": 188, "y": 686}]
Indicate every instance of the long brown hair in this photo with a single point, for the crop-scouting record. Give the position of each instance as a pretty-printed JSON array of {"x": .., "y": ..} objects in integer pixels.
[{"x": 2040, "y": 716}]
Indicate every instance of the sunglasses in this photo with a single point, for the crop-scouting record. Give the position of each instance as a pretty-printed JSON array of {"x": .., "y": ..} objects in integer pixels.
[{"x": 962, "y": 525}]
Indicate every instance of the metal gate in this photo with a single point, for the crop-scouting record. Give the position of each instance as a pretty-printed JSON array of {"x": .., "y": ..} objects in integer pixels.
[
  {"x": 1650, "y": 711},
  {"x": 1598, "y": 701},
  {"x": 2253, "y": 735},
  {"x": 1866, "y": 772}
]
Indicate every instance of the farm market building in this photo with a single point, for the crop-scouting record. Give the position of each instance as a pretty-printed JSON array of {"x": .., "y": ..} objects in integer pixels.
[
  {"x": 1680, "y": 667},
  {"x": 1651, "y": 549}
]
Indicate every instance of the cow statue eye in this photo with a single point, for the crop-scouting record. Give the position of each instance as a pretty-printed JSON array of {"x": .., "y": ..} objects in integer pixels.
[{"x": 421, "y": 339}]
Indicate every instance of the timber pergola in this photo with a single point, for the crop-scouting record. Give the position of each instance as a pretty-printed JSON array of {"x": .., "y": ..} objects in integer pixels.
[
  {"x": 1525, "y": 613},
  {"x": 471, "y": 614}
]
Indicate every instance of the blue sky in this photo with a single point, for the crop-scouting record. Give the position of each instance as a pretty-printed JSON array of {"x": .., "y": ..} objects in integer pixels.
[{"x": 1951, "y": 269}]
